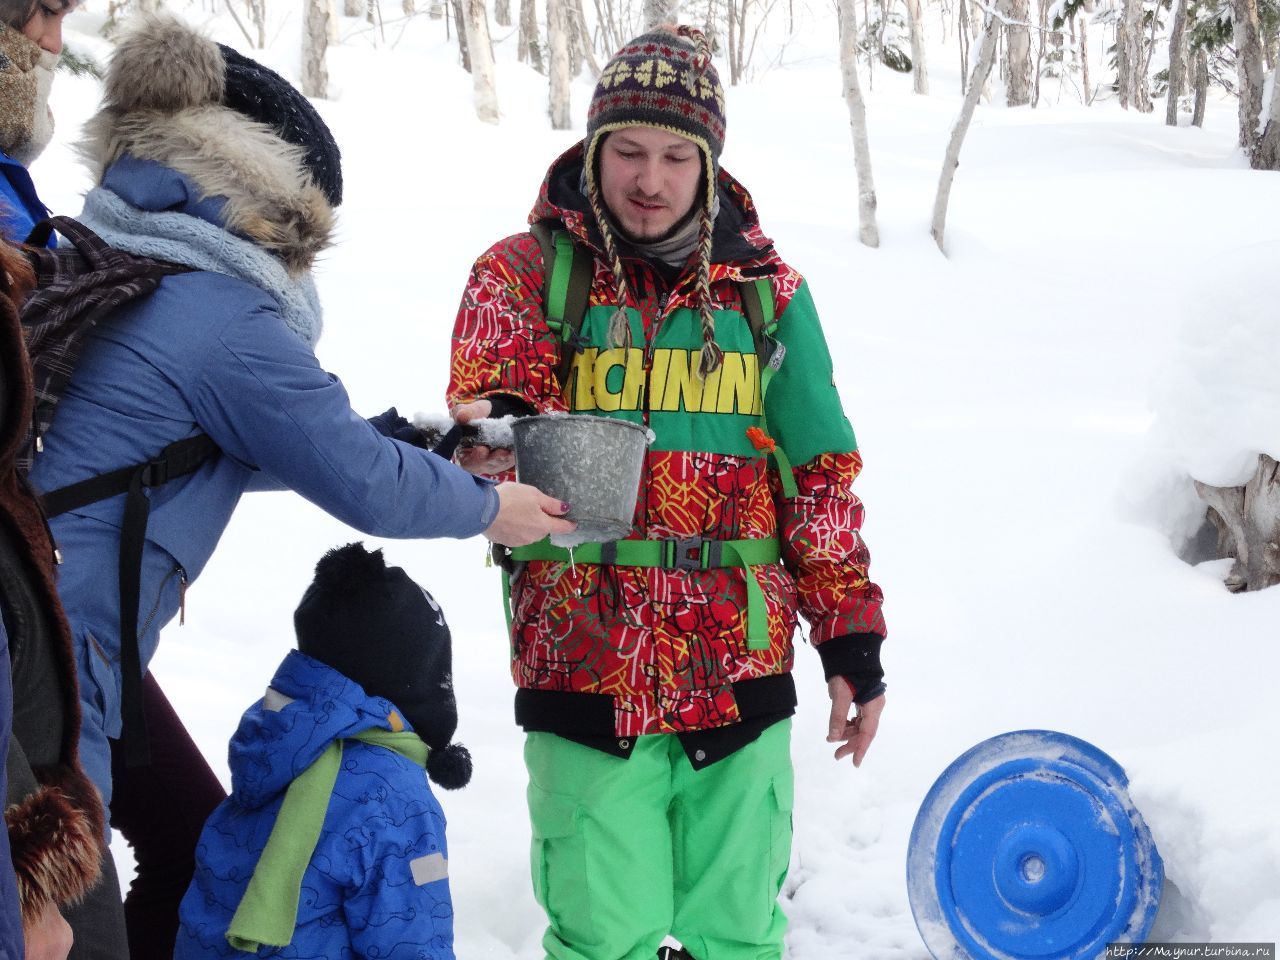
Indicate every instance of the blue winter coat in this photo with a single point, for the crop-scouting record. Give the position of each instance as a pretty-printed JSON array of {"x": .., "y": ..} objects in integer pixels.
[
  {"x": 210, "y": 353},
  {"x": 377, "y": 884},
  {"x": 20, "y": 207}
]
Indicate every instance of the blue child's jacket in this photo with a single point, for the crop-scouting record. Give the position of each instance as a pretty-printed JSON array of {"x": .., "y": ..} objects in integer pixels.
[{"x": 377, "y": 885}]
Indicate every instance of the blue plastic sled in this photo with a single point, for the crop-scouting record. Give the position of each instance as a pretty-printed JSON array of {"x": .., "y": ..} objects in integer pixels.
[{"x": 1028, "y": 847}]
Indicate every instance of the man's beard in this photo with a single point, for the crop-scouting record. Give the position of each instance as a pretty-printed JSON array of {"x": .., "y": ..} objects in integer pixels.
[{"x": 677, "y": 227}]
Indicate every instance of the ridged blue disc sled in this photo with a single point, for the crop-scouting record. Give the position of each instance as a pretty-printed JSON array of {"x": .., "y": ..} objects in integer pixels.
[{"x": 1028, "y": 846}]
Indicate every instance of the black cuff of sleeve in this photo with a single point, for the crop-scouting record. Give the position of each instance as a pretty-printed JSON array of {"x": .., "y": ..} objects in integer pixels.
[
  {"x": 505, "y": 405},
  {"x": 856, "y": 657}
]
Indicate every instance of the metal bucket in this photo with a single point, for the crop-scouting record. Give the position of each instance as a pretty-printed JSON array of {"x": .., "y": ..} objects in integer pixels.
[
  {"x": 591, "y": 463},
  {"x": 1028, "y": 846}
]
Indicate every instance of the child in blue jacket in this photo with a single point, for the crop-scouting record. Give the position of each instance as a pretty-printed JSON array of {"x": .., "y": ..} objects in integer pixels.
[{"x": 332, "y": 843}]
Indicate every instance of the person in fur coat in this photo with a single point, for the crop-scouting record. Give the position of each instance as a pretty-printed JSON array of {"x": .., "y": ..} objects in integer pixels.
[
  {"x": 204, "y": 158},
  {"x": 52, "y": 812}
]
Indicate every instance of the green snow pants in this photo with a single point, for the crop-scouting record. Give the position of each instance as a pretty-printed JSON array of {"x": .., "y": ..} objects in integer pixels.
[{"x": 627, "y": 851}]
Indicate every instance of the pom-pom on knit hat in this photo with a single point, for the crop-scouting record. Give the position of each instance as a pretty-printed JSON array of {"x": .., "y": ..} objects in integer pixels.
[
  {"x": 374, "y": 625},
  {"x": 664, "y": 79}
]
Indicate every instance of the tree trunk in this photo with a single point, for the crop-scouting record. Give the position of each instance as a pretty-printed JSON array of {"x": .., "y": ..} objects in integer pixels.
[
  {"x": 1266, "y": 156},
  {"x": 584, "y": 33},
  {"x": 658, "y": 12},
  {"x": 483, "y": 82},
  {"x": 1131, "y": 78},
  {"x": 919, "y": 71},
  {"x": 353, "y": 8},
  {"x": 315, "y": 41},
  {"x": 460, "y": 22},
  {"x": 558, "y": 41},
  {"x": 1177, "y": 64},
  {"x": 530, "y": 46},
  {"x": 981, "y": 70},
  {"x": 1248, "y": 522},
  {"x": 1249, "y": 64},
  {"x": 1202, "y": 87},
  {"x": 868, "y": 233},
  {"x": 502, "y": 13},
  {"x": 1017, "y": 52},
  {"x": 962, "y": 35},
  {"x": 1084, "y": 60}
]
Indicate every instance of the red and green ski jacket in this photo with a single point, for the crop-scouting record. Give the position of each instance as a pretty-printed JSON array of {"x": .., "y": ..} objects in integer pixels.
[{"x": 619, "y": 651}]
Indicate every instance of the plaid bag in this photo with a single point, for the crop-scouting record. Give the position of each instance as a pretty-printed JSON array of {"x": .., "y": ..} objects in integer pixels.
[{"x": 76, "y": 286}]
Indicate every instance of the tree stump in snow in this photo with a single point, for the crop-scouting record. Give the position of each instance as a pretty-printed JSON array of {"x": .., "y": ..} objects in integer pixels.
[{"x": 1248, "y": 523}]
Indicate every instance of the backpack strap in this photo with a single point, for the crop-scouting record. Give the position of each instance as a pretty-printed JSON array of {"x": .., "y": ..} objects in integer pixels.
[
  {"x": 176, "y": 460},
  {"x": 568, "y": 270},
  {"x": 757, "y": 304}
]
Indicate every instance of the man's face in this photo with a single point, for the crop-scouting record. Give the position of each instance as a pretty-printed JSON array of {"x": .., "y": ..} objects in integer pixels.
[{"x": 649, "y": 179}]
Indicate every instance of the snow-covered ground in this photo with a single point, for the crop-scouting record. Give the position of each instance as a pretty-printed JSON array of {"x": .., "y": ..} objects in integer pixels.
[{"x": 1024, "y": 500}]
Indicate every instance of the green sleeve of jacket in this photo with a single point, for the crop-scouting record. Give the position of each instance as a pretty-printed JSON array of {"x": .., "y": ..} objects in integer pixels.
[{"x": 802, "y": 405}]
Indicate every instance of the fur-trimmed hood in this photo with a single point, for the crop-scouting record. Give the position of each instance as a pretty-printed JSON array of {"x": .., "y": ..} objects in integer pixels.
[{"x": 164, "y": 102}]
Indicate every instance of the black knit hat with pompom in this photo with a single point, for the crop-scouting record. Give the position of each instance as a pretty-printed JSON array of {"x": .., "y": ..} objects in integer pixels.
[{"x": 374, "y": 625}]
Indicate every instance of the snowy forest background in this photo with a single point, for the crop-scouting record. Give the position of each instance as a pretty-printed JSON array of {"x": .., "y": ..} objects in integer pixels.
[{"x": 1048, "y": 393}]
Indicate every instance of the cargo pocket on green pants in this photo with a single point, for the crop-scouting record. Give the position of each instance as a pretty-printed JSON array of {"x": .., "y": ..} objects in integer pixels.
[
  {"x": 781, "y": 801},
  {"x": 559, "y": 863}
]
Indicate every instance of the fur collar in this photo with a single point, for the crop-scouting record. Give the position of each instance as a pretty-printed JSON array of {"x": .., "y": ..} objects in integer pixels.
[{"x": 163, "y": 102}]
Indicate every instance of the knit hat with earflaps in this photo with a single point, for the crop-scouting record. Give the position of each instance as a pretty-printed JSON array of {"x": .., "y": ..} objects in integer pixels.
[
  {"x": 375, "y": 626},
  {"x": 664, "y": 79}
]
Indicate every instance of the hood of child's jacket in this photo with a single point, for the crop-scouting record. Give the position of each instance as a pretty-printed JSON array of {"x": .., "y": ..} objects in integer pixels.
[
  {"x": 737, "y": 235},
  {"x": 306, "y": 708}
]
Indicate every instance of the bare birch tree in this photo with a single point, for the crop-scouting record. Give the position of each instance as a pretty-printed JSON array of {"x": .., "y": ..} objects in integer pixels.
[
  {"x": 868, "y": 233},
  {"x": 1017, "y": 52},
  {"x": 981, "y": 70},
  {"x": 483, "y": 82},
  {"x": 657, "y": 12},
  {"x": 584, "y": 32},
  {"x": 529, "y": 46},
  {"x": 1248, "y": 42},
  {"x": 919, "y": 70},
  {"x": 1177, "y": 62},
  {"x": 502, "y": 13},
  {"x": 558, "y": 42},
  {"x": 1131, "y": 75},
  {"x": 315, "y": 43}
]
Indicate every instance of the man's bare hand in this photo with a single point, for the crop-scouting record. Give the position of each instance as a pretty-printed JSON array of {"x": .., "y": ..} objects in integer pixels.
[
  {"x": 481, "y": 460},
  {"x": 526, "y": 515},
  {"x": 48, "y": 936},
  {"x": 854, "y": 734}
]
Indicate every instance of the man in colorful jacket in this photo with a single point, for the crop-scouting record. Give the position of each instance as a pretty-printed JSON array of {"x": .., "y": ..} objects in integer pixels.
[{"x": 654, "y": 683}]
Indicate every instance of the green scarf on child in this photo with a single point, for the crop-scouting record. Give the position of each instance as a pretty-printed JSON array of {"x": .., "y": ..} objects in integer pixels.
[{"x": 268, "y": 911}]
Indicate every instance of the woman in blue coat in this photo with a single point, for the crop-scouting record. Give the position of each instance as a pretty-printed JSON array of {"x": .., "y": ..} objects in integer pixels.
[{"x": 205, "y": 159}]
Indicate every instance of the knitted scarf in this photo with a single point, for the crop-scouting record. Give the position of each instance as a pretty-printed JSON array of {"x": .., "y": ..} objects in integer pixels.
[
  {"x": 26, "y": 77},
  {"x": 196, "y": 243}
]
